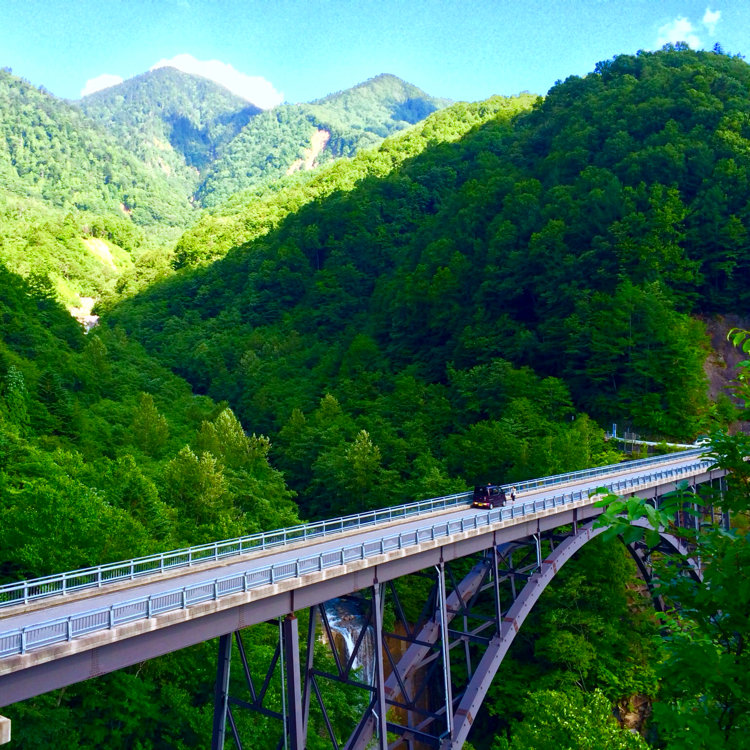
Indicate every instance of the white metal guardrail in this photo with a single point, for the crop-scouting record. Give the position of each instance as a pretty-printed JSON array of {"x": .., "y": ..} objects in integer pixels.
[
  {"x": 100, "y": 575},
  {"x": 20, "y": 641}
]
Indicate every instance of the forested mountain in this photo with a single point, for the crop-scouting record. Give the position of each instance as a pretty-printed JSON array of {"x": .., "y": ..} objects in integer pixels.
[
  {"x": 468, "y": 301},
  {"x": 95, "y": 192},
  {"x": 77, "y": 207},
  {"x": 173, "y": 121},
  {"x": 298, "y": 136},
  {"x": 252, "y": 213},
  {"x": 578, "y": 239},
  {"x": 104, "y": 454},
  {"x": 192, "y": 128},
  {"x": 51, "y": 151}
]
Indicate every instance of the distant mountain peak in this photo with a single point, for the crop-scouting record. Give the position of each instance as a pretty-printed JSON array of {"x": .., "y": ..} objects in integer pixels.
[
  {"x": 385, "y": 85},
  {"x": 194, "y": 114}
]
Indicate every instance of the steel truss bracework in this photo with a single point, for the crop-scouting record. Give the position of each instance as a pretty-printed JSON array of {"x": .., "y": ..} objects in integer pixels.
[
  {"x": 285, "y": 661},
  {"x": 429, "y": 672},
  {"x": 427, "y": 684}
]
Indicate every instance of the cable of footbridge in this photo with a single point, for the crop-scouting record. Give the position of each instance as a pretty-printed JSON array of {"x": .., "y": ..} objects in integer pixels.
[{"x": 62, "y": 629}]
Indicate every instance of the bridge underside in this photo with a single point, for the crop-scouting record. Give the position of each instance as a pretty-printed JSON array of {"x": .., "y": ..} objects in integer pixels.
[
  {"x": 431, "y": 675},
  {"x": 430, "y": 671}
]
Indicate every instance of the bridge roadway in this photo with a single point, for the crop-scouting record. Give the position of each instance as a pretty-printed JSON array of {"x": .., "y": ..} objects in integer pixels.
[{"x": 460, "y": 532}]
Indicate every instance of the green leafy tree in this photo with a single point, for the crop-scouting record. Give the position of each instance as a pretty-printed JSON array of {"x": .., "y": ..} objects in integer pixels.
[
  {"x": 196, "y": 486},
  {"x": 571, "y": 720},
  {"x": 149, "y": 429},
  {"x": 705, "y": 668},
  {"x": 15, "y": 397}
]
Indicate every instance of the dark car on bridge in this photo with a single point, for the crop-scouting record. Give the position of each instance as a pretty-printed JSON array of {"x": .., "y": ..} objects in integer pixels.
[{"x": 488, "y": 496}]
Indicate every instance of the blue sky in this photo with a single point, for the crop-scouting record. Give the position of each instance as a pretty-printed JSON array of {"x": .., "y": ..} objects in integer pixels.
[{"x": 297, "y": 50}]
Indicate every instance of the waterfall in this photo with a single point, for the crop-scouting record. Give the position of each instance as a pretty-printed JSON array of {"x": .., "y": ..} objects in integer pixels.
[{"x": 346, "y": 619}]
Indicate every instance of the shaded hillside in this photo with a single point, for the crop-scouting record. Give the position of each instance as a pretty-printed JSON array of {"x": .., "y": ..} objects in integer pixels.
[
  {"x": 282, "y": 140},
  {"x": 106, "y": 455},
  {"x": 252, "y": 213},
  {"x": 93, "y": 423},
  {"x": 575, "y": 240},
  {"x": 175, "y": 122},
  {"x": 299, "y": 327}
]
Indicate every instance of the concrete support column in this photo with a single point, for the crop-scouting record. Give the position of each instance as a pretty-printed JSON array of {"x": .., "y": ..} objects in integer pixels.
[
  {"x": 4, "y": 730},
  {"x": 496, "y": 588}
]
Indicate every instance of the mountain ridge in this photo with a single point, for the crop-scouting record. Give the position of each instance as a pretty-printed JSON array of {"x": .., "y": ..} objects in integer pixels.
[
  {"x": 218, "y": 144},
  {"x": 193, "y": 114},
  {"x": 129, "y": 164},
  {"x": 356, "y": 118}
]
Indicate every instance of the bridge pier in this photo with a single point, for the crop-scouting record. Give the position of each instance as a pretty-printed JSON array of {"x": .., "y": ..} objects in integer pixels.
[
  {"x": 445, "y": 647},
  {"x": 382, "y": 708},
  {"x": 294, "y": 709},
  {"x": 221, "y": 692}
]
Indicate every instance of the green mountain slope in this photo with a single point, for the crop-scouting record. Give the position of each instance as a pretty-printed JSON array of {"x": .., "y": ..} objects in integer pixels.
[
  {"x": 293, "y": 137},
  {"x": 121, "y": 166},
  {"x": 77, "y": 207},
  {"x": 254, "y": 212},
  {"x": 175, "y": 122},
  {"x": 50, "y": 150},
  {"x": 578, "y": 240},
  {"x": 105, "y": 455}
]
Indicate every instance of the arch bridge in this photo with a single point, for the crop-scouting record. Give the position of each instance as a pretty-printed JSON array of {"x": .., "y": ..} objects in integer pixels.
[{"x": 480, "y": 573}]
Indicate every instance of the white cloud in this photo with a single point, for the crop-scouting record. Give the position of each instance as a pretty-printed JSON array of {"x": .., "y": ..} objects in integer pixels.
[
  {"x": 103, "y": 81},
  {"x": 255, "y": 89},
  {"x": 710, "y": 19},
  {"x": 679, "y": 30}
]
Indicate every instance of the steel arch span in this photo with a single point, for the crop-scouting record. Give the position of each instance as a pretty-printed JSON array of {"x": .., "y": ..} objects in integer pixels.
[
  {"x": 456, "y": 623},
  {"x": 476, "y": 690}
]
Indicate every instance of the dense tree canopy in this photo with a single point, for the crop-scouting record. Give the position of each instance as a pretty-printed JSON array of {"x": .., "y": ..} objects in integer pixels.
[
  {"x": 175, "y": 122},
  {"x": 467, "y": 302},
  {"x": 280, "y": 141}
]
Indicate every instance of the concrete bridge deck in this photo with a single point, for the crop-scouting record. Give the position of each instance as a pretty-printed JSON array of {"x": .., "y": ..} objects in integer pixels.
[{"x": 307, "y": 573}]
